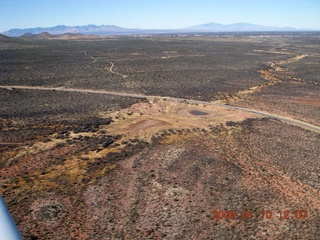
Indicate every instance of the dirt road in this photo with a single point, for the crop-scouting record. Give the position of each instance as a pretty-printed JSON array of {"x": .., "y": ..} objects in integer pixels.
[
  {"x": 288, "y": 120},
  {"x": 111, "y": 70}
]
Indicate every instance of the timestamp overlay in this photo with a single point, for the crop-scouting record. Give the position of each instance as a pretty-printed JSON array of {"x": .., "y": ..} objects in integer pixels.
[{"x": 247, "y": 214}]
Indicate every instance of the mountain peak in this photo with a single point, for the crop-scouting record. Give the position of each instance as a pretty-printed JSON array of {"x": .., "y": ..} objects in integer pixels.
[{"x": 62, "y": 29}]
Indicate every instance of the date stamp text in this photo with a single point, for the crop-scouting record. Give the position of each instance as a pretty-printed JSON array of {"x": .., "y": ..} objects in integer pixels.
[{"x": 263, "y": 214}]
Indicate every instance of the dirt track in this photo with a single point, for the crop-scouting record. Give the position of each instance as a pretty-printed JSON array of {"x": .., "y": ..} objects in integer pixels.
[
  {"x": 288, "y": 120},
  {"x": 111, "y": 70}
]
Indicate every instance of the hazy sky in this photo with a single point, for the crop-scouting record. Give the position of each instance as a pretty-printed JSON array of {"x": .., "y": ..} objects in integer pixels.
[{"x": 165, "y": 14}]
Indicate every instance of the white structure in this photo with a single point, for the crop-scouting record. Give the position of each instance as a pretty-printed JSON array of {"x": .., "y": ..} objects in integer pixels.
[{"x": 8, "y": 229}]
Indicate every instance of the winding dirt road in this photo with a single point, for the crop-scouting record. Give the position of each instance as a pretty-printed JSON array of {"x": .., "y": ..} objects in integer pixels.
[
  {"x": 288, "y": 120},
  {"x": 111, "y": 70}
]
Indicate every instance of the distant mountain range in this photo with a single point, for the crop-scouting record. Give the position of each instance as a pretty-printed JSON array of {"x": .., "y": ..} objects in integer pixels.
[
  {"x": 116, "y": 30},
  {"x": 48, "y": 36},
  {"x": 62, "y": 29}
]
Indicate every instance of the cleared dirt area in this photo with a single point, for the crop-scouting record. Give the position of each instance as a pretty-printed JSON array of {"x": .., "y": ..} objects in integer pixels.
[
  {"x": 107, "y": 138},
  {"x": 149, "y": 118}
]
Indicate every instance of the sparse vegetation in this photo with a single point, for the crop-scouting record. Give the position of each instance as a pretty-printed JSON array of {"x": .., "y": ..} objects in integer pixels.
[{"x": 96, "y": 166}]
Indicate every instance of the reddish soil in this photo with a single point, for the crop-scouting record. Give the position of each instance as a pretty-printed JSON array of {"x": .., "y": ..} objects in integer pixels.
[
  {"x": 169, "y": 188},
  {"x": 77, "y": 165}
]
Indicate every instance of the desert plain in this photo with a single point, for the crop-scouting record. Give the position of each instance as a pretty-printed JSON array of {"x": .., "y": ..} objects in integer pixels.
[{"x": 207, "y": 136}]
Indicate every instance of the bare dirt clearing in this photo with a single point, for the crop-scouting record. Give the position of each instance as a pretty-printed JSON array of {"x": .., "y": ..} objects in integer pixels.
[{"x": 148, "y": 119}]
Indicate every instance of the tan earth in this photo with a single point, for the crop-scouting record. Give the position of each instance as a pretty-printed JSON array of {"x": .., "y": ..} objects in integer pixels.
[{"x": 143, "y": 120}]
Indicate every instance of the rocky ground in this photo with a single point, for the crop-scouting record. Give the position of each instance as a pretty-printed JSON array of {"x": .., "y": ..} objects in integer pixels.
[
  {"x": 94, "y": 166},
  {"x": 159, "y": 179}
]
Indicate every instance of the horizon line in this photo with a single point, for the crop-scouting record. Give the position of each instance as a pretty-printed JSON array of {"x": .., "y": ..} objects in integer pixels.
[{"x": 138, "y": 28}]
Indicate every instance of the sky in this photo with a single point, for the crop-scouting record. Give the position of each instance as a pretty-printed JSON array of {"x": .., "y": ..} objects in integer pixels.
[{"x": 158, "y": 14}]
